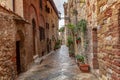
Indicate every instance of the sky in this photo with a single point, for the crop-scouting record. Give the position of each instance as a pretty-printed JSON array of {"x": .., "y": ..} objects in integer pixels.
[{"x": 59, "y": 5}]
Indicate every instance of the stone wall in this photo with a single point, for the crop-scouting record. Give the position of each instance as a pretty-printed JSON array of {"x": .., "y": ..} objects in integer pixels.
[
  {"x": 52, "y": 20},
  {"x": 31, "y": 11},
  {"x": 41, "y": 18},
  {"x": 109, "y": 39},
  {"x": 91, "y": 14},
  {"x": 13, "y": 29},
  {"x": 103, "y": 35},
  {"x": 7, "y": 47}
]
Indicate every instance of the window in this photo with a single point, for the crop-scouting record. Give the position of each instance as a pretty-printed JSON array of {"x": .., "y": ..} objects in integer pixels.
[
  {"x": 41, "y": 4},
  {"x": 42, "y": 33},
  {"x": 47, "y": 9},
  {"x": 33, "y": 23},
  {"x": 14, "y": 5}
]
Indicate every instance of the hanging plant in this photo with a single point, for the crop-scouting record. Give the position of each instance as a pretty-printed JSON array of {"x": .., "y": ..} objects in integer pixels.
[
  {"x": 82, "y": 24},
  {"x": 78, "y": 40}
]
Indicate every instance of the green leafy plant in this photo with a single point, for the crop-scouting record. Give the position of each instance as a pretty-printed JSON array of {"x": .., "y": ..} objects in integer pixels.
[
  {"x": 80, "y": 58},
  {"x": 78, "y": 38},
  {"x": 62, "y": 29},
  {"x": 57, "y": 44},
  {"x": 82, "y": 24},
  {"x": 71, "y": 26},
  {"x": 70, "y": 40}
]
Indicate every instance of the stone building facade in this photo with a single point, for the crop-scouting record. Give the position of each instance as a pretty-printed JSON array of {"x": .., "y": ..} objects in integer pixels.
[
  {"x": 75, "y": 10},
  {"x": 102, "y": 35},
  {"x": 24, "y": 34},
  {"x": 11, "y": 44},
  {"x": 51, "y": 25}
]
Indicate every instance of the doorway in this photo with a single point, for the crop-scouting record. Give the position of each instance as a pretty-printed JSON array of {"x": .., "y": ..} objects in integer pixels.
[
  {"x": 18, "y": 61},
  {"x": 33, "y": 27},
  {"x": 95, "y": 47},
  {"x": 48, "y": 50}
]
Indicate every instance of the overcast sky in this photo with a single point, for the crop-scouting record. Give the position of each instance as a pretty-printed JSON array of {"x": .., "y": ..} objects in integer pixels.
[{"x": 59, "y": 5}]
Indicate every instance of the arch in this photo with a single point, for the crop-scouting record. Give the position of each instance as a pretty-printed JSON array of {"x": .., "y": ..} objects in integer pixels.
[
  {"x": 33, "y": 10},
  {"x": 20, "y": 52},
  {"x": 34, "y": 21}
]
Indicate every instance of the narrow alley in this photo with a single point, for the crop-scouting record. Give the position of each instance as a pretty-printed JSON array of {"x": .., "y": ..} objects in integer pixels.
[
  {"x": 59, "y": 39},
  {"x": 57, "y": 66}
]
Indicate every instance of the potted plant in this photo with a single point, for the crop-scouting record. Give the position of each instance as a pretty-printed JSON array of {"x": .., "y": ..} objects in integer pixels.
[
  {"x": 81, "y": 63},
  {"x": 57, "y": 45},
  {"x": 78, "y": 40},
  {"x": 70, "y": 43}
]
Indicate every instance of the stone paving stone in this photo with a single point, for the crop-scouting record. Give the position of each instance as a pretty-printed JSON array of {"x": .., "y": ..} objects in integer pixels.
[{"x": 57, "y": 66}]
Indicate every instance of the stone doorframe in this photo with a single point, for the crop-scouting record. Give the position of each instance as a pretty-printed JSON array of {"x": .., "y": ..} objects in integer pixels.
[{"x": 21, "y": 38}]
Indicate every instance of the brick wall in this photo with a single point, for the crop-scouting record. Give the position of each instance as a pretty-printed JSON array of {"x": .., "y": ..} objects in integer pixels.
[
  {"x": 14, "y": 29},
  {"x": 53, "y": 25},
  {"x": 108, "y": 40}
]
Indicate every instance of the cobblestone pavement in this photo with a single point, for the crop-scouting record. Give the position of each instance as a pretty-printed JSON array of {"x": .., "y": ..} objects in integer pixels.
[{"x": 57, "y": 66}]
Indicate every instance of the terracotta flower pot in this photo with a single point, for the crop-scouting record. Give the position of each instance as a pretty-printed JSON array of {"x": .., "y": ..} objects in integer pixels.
[
  {"x": 77, "y": 41},
  {"x": 84, "y": 67}
]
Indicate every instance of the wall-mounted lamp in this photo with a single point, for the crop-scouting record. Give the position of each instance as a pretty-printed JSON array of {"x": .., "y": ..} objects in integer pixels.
[{"x": 59, "y": 14}]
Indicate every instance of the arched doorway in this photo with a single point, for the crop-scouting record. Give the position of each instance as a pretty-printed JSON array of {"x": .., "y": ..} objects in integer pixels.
[
  {"x": 18, "y": 60},
  {"x": 20, "y": 52}
]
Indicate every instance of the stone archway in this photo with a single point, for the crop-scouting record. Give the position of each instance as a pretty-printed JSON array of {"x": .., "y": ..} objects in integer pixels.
[{"x": 34, "y": 22}]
